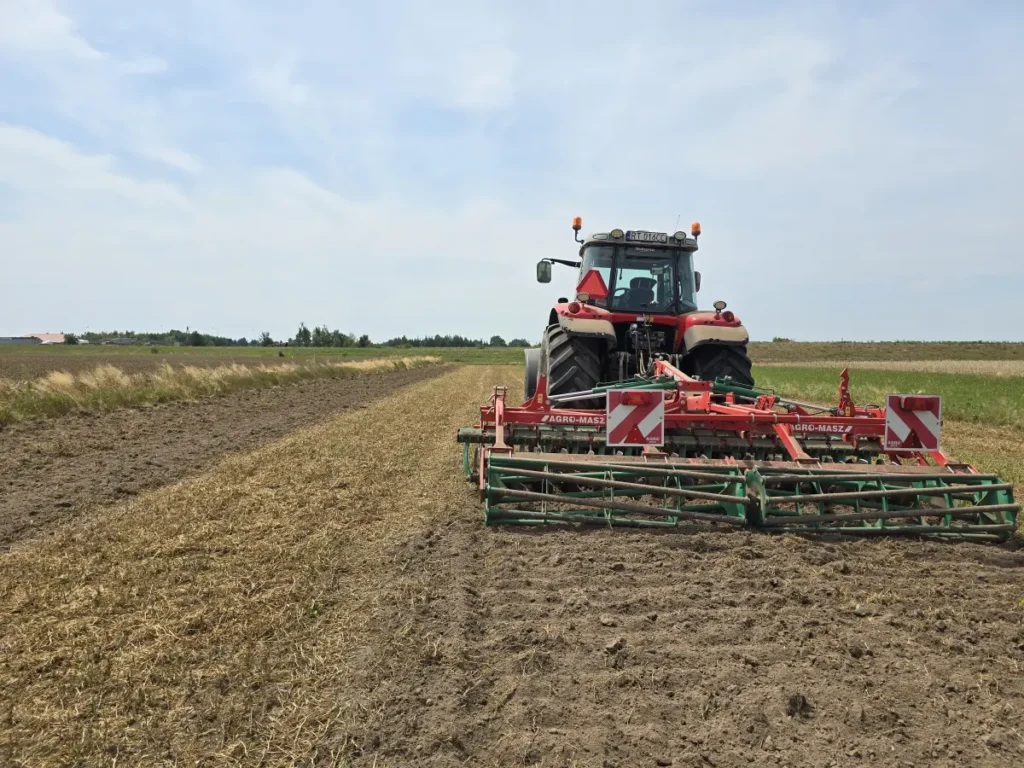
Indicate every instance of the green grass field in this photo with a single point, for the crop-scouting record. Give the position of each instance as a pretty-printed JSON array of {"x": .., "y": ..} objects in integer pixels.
[
  {"x": 853, "y": 351},
  {"x": 982, "y": 415},
  {"x": 972, "y": 398}
]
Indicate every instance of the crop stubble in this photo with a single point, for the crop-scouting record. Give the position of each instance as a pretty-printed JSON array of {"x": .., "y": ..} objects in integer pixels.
[
  {"x": 224, "y": 618},
  {"x": 333, "y": 599}
]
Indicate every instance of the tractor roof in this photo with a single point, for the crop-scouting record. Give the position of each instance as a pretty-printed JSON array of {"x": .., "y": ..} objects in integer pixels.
[{"x": 639, "y": 237}]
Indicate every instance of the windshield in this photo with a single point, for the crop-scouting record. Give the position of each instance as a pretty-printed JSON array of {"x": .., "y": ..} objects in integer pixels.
[{"x": 641, "y": 279}]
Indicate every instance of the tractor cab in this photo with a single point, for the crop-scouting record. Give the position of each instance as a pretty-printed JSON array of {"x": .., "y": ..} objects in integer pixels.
[
  {"x": 635, "y": 302},
  {"x": 635, "y": 271},
  {"x": 642, "y": 279}
]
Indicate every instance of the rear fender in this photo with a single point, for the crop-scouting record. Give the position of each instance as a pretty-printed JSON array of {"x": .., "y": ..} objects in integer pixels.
[
  {"x": 593, "y": 328},
  {"x": 590, "y": 322},
  {"x": 700, "y": 328},
  {"x": 698, "y": 335}
]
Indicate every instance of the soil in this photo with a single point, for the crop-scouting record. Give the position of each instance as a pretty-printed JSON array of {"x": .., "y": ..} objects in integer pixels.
[
  {"x": 52, "y": 470},
  {"x": 618, "y": 648}
]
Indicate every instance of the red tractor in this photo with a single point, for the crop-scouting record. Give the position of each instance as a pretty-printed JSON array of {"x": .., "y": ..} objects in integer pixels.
[{"x": 635, "y": 302}]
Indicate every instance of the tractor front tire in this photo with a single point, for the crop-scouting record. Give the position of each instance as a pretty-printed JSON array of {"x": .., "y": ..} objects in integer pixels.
[
  {"x": 573, "y": 365},
  {"x": 718, "y": 361}
]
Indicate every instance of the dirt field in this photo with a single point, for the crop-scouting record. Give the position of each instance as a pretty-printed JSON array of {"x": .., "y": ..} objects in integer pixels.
[
  {"x": 56, "y": 468},
  {"x": 332, "y": 599},
  {"x": 567, "y": 648}
]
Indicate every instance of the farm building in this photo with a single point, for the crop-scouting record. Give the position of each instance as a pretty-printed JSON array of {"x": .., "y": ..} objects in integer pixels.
[
  {"x": 10, "y": 340},
  {"x": 34, "y": 338},
  {"x": 49, "y": 338}
]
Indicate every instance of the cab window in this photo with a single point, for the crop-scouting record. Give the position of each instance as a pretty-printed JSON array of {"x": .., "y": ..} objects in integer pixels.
[{"x": 599, "y": 258}]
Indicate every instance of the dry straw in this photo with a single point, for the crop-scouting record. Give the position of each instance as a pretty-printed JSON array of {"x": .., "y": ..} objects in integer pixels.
[
  {"x": 107, "y": 387},
  {"x": 235, "y": 618}
]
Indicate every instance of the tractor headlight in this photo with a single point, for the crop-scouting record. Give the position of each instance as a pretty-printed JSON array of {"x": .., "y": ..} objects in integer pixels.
[{"x": 618, "y": 234}]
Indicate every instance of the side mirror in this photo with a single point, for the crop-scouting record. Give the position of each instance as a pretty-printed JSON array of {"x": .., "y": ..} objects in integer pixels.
[
  {"x": 543, "y": 271},
  {"x": 696, "y": 281}
]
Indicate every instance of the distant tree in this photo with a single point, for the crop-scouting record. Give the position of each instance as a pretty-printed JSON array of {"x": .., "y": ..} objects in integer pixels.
[
  {"x": 321, "y": 336},
  {"x": 339, "y": 339},
  {"x": 303, "y": 337},
  {"x": 519, "y": 343},
  {"x": 364, "y": 341},
  {"x": 70, "y": 338},
  {"x": 265, "y": 340},
  {"x": 242, "y": 342},
  {"x": 497, "y": 341}
]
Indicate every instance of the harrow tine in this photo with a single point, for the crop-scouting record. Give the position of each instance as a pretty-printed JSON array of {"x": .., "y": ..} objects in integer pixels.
[
  {"x": 842, "y": 497},
  {"x": 889, "y": 477},
  {"x": 653, "y": 490},
  {"x": 968, "y": 532},
  {"x": 665, "y": 470},
  {"x": 510, "y": 516},
  {"x": 615, "y": 506},
  {"x": 952, "y": 512}
]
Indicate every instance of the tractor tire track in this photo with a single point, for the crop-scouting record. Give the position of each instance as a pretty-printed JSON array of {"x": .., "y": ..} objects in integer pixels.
[{"x": 565, "y": 647}]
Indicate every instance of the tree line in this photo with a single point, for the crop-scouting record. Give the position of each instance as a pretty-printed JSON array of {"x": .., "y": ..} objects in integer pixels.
[{"x": 318, "y": 336}]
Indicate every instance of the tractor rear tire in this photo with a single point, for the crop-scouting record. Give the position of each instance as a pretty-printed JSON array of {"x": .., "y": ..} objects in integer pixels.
[
  {"x": 718, "y": 361},
  {"x": 573, "y": 365},
  {"x": 532, "y": 372}
]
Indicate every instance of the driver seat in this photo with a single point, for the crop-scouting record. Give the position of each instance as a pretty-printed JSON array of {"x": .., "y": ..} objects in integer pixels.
[{"x": 641, "y": 291}]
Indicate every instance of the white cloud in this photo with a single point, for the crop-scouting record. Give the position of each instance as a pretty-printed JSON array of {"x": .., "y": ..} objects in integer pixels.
[
  {"x": 175, "y": 158},
  {"x": 36, "y": 26},
  {"x": 277, "y": 83},
  {"x": 148, "y": 65}
]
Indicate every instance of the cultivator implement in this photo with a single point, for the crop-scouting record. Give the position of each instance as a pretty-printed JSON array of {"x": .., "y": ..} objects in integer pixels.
[{"x": 712, "y": 455}]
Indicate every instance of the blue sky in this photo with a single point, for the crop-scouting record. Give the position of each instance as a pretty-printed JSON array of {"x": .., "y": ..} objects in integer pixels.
[{"x": 398, "y": 167}]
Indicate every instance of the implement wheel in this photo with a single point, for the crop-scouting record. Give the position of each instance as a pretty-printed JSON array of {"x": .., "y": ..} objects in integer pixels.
[
  {"x": 532, "y": 372},
  {"x": 573, "y": 365},
  {"x": 717, "y": 361}
]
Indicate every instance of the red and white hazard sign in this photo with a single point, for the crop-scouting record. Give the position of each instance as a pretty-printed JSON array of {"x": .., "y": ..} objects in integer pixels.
[
  {"x": 912, "y": 422},
  {"x": 635, "y": 417}
]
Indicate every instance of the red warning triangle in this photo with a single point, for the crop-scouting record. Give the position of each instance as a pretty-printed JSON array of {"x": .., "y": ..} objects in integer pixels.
[{"x": 593, "y": 284}]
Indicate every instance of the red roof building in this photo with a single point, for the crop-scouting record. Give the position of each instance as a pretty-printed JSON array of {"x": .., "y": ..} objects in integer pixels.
[{"x": 49, "y": 338}]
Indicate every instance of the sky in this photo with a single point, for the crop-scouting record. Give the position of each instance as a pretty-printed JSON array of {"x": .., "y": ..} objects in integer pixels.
[{"x": 398, "y": 168}]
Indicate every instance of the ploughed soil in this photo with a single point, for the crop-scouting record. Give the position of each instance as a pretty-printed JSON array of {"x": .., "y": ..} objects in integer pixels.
[
  {"x": 619, "y": 648},
  {"x": 51, "y": 470}
]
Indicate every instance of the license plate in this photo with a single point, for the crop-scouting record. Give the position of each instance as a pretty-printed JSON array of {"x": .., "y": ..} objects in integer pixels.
[{"x": 636, "y": 236}]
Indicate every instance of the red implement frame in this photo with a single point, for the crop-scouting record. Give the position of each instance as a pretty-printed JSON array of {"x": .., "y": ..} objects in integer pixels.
[{"x": 692, "y": 406}]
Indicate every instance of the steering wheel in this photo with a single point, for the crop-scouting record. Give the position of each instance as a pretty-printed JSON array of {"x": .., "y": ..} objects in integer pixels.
[{"x": 620, "y": 292}]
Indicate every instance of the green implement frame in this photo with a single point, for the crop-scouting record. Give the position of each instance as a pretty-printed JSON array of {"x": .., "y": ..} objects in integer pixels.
[{"x": 663, "y": 492}]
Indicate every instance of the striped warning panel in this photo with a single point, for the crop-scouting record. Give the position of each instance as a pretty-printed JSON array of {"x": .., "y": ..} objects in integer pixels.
[
  {"x": 635, "y": 418},
  {"x": 912, "y": 422}
]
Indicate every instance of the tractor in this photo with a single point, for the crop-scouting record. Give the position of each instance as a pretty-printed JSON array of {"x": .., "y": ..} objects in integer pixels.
[{"x": 635, "y": 302}]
